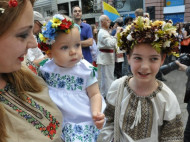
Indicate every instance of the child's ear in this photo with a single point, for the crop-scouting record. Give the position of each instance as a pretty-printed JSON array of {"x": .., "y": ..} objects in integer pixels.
[
  {"x": 163, "y": 59},
  {"x": 48, "y": 53}
]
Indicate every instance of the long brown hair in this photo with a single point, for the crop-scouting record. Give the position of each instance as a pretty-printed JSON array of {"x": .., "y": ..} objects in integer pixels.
[
  {"x": 23, "y": 80},
  {"x": 93, "y": 26}
]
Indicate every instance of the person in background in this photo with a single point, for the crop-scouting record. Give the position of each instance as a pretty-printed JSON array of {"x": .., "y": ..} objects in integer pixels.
[
  {"x": 119, "y": 54},
  {"x": 117, "y": 23},
  {"x": 83, "y": 20},
  {"x": 93, "y": 48},
  {"x": 186, "y": 35},
  {"x": 85, "y": 35},
  {"x": 186, "y": 69},
  {"x": 27, "y": 112},
  {"x": 35, "y": 55},
  {"x": 126, "y": 67},
  {"x": 127, "y": 21},
  {"x": 139, "y": 12},
  {"x": 111, "y": 27},
  {"x": 180, "y": 34},
  {"x": 106, "y": 56},
  {"x": 140, "y": 108},
  {"x": 71, "y": 80}
]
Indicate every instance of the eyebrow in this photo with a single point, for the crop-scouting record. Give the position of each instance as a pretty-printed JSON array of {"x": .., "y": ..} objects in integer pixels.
[
  {"x": 141, "y": 55},
  {"x": 26, "y": 28}
]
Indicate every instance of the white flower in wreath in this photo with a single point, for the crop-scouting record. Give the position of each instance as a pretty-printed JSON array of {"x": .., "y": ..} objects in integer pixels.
[
  {"x": 2, "y": 10},
  {"x": 127, "y": 28},
  {"x": 129, "y": 37},
  {"x": 156, "y": 37},
  {"x": 166, "y": 44}
]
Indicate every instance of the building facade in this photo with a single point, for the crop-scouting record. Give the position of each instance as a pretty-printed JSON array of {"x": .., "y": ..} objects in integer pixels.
[
  {"x": 91, "y": 9},
  {"x": 177, "y": 10}
]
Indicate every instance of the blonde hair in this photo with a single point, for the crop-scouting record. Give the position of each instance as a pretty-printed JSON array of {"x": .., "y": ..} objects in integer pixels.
[
  {"x": 23, "y": 80},
  {"x": 139, "y": 12}
]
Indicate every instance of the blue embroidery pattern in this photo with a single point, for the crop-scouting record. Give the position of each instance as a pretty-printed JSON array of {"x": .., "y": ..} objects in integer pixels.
[
  {"x": 68, "y": 82},
  {"x": 80, "y": 133}
]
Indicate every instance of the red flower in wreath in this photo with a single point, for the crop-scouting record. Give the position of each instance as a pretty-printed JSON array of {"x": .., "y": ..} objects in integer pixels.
[
  {"x": 65, "y": 24},
  {"x": 51, "y": 128},
  {"x": 44, "y": 47},
  {"x": 13, "y": 3}
]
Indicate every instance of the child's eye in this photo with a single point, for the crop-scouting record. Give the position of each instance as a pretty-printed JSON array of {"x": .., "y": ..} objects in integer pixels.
[
  {"x": 154, "y": 59},
  {"x": 77, "y": 45},
  {"x": 137, "y": 58},
  {"x": 64, "y": 47}
]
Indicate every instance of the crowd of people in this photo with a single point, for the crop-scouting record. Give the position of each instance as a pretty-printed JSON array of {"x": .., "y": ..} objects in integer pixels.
[{"x": 63, "y": 80}]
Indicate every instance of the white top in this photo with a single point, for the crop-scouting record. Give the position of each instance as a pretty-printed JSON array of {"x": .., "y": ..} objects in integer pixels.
[
  {"x": 106, "y": 41},
  {"x": 67, "y": 88},
  {"x": 34, "y": 53},
  {"x": 94, "y": 50},
  {"x": 153, "y": 118}
]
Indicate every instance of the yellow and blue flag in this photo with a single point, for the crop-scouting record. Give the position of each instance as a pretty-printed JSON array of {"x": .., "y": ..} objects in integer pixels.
[{"x": 110, "y": 11}]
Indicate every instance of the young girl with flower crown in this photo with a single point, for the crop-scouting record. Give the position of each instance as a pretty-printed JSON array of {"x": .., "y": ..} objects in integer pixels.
[
  {"x": 71, "y": 81},
  {"x": 141, "y": 108}
]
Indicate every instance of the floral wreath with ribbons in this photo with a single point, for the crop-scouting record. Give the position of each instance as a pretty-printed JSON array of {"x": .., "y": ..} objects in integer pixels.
[
  {"x": 161, "y": 35},
  {"x": 50, "y": 29}
]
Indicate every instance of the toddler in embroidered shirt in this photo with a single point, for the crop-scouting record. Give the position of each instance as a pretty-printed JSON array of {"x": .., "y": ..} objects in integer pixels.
[
  {"x": 141, "y": 108},
  {"x": 71, "y": 80}
]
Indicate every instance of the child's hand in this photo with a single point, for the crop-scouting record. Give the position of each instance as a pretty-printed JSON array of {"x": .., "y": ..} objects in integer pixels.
[{"x": 98, "y": 119}]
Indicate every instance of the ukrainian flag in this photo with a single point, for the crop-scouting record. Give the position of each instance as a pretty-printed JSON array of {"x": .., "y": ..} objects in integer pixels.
[{"x": 110, "y": 11}]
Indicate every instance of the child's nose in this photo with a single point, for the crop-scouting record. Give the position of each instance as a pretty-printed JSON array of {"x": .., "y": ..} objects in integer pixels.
[
  {"x": 145, "y": 64},
  {"x": 72, "y": 51}
]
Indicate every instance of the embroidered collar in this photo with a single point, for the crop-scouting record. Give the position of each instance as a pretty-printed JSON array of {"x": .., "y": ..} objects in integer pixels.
[{"x": 152, "y": 95}]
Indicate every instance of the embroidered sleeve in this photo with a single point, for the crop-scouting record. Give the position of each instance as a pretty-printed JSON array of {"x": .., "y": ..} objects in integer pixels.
[
  {"x": 109, "y": 113},
  {"x": 92, "y": 78},
  {"x": 172, "y": 131},
  {"x": 107, "y": 133}
]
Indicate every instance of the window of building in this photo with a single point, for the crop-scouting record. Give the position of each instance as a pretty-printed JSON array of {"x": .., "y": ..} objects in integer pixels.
[
  {"x": 49, "y": 13},
  {"x": 63, "y": 8},
  {"x": 90, "y": 20},
  {"x": 176, "y": 17},
  {"x": 74, "y": 3},
  {"x": 128, "y": 5},
  {"x": 87, "y": 6}
]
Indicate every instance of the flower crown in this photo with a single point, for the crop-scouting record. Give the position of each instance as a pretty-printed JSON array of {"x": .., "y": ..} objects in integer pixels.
[
  {"x": 11, "y": 3},
  {"x": 2, "y": 10},
  {"x": 161, "y": 35},
  {"x": 50, "y": 29}
]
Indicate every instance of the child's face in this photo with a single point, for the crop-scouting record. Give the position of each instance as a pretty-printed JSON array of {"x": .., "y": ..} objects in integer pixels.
[
  {"x": 145, "y": 62},
  {"x": 66, "y": 50},
  {"x": 95, "y": 31}
]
